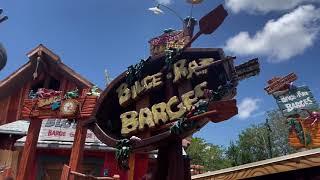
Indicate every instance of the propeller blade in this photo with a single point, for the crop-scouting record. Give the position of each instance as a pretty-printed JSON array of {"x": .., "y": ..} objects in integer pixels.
[
  {"x": 3, "y": 18},
  {"x": 210, "y": 22}
]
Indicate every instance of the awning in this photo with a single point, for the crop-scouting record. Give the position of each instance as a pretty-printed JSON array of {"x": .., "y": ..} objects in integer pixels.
[{"x": 19, "y": 127}]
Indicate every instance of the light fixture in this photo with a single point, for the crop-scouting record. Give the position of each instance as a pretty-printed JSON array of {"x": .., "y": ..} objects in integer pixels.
[
  {"x": 157, "y": 10},
  {"x": 194, "y": 1}
]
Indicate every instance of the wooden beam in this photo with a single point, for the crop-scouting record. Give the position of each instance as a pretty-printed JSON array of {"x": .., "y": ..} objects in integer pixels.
[
  {"x": 78, "y": 148},
  {"x": 292, "y": 162},
  {"x": 29, "y": 150},
  {"x": 65, "y": 173}
]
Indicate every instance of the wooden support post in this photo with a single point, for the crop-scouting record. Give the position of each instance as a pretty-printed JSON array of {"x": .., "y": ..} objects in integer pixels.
[
  {"x": 29, "y": 150},
  {"x": 132, "y": 161},
  {"x": 170, "y": 161},
  {"x": 65, "y": 173},
  {"x": 175, "y": 163},
  {"x": 144, "y": 102},
  {"x": 78, "y": 148}
]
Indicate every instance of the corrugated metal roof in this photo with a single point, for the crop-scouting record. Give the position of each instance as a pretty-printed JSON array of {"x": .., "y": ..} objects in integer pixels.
[{"x": 19, "y": 127}]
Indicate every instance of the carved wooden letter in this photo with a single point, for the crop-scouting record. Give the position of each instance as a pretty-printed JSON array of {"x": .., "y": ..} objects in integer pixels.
[
  {"x": 205, "y": 62},
  {"x": 189, "y": 99},
  {"x": 159, "y": 113},
  {"x": 129, "y": 122},
  {"x": 177, "y": 114},
  {"x": 124, "y": 94},
  {"x": 156, "y": 81},
  {"x": 179, "y": 70},
  {"x": 199, "y": 89},
  {"x": 147, "y": 82},
  {"x": 136, "y": 89},
  {"x": 192, "y": 69},
  {"x": 145, "y": 118}
]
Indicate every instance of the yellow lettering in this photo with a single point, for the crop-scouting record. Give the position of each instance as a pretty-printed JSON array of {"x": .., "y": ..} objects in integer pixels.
[
  {"x": 192, "y": 69},
  {"x": 129, "y": 122},
  {"x": 145, "y": 118},
  {"x": 136, "y": 89},
  {"x": 199, "y": 89},
  {"x": 159, "y": 113},
  {"x": 189, "y": 99},
  {"x": 177, "y": 114},
  {"x": 179, "y": 70},
  {"x": 124, "y": 94},
  {"x": 156, "y": 80}
]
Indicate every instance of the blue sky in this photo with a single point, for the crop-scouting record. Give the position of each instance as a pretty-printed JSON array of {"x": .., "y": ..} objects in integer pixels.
[{"x": 91, "y": 36}]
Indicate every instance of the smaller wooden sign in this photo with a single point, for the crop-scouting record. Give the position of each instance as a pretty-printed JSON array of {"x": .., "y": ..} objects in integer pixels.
[
  {"x": 304, "y": 133},
  {"x": 172, "y": 39},
  {"x": 280, "y": 83},
  {"x": 295, "y": 99},
  {"x": 70, "y": 108}
]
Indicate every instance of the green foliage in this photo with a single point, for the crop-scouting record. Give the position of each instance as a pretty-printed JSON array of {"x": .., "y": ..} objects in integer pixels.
[
  {"x": 208, "y": 155},
  {"x": 256, "y": 143},
  {"x": 123, "y": 150},
  {"x": 261, "y": 141}
]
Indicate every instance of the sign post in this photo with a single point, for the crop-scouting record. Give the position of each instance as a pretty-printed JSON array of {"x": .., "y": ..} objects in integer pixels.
[{"x": 292, "y": 101}]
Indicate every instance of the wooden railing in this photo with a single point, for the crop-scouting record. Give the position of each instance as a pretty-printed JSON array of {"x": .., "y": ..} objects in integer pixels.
[{"x": 66, "y": 173}]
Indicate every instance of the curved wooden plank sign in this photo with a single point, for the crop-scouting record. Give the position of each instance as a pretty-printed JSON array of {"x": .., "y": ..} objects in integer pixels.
[{"x": 153, "y": 98}]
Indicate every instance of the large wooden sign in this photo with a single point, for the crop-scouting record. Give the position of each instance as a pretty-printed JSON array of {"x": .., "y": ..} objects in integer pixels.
[
  {"x": 295, "y": 99},
  {"x": 197, "y": 86}
]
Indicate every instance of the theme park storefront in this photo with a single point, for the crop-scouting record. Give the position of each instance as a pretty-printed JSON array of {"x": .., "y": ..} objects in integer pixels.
[
  {"x": 54, "y": 148},
  {"x": 56, "y": 136}
]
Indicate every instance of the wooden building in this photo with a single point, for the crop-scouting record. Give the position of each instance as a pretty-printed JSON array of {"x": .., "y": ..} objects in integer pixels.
[
  {"x": 56, "y": 135},
  {"x": 299, "y": 166}
]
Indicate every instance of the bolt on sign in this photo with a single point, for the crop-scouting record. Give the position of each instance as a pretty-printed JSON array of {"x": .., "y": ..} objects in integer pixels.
[{"x": 295, "y": 99}]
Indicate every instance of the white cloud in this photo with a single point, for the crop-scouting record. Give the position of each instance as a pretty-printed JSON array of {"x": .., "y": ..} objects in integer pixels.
[
  {"x": 280, "y": 39},
  {"x": 264, "y": 6},
  {"x": 164, "y": 1},
  {"x": 247, "y": 107}
]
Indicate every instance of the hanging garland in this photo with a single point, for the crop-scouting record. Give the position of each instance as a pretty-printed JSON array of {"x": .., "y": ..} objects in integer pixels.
[
  {"x": 135, "y": 71},
  {"x": 303, "y": 136},
  {"x": 181, "y": 126},
  {"x": 123, "y": 150},
  {"x": 94, "y": 91},
  {"x": 72, "y": 94}
]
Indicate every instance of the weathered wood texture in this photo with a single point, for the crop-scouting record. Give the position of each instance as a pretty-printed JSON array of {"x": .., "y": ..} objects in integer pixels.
[
  {"x": 16, "y": 87},
  {"x": 86, "y": 106},
  {"x": 67, "y": 174},
  {"x": 308, "y": 127},
  {"x": 78, "y": 148},
  {"x": 280, "y": 83},
  {"x": 287, "y": 163},
  {"x": 29, "y": 150}
]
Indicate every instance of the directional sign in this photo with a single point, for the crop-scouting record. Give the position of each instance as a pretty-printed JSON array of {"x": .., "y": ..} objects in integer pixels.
[{"x": 294, "y": 99}]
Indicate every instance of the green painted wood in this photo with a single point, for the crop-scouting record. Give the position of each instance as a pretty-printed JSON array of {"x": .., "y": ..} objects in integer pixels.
[{"x": 295, "y": 99}]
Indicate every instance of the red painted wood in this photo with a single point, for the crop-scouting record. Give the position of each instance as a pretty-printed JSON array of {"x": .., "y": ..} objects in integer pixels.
[
  {"x": 110, "y": 164},
  {"x": 78, "y": 148},
  {"x": 29, "y": 150}
]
